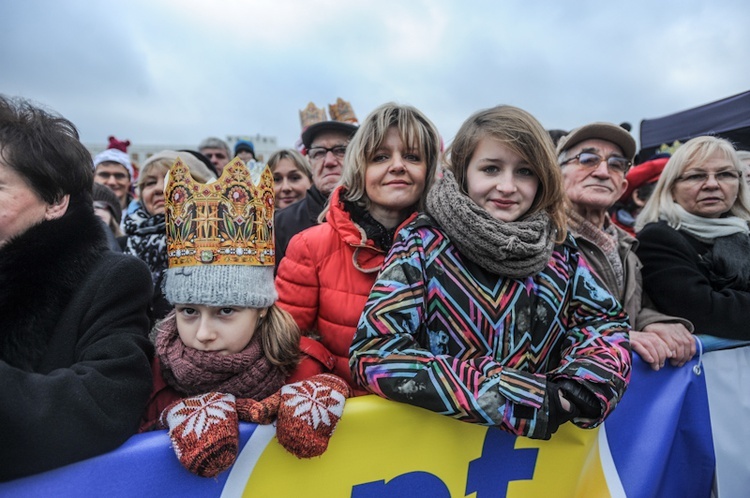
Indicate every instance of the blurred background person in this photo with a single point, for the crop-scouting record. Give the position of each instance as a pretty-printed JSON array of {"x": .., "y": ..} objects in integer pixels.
[
  {"x": 217, "y": 151},
  {"x": 245, "y": 150},
  {"x": 112, "y": 167},
  {"x": 107, "y": 208},
  {"x": 641, "y": 184},
  {"x": 744, "y": 157},
  {"x": 145, "y": 227},
  {"x": 292, "y": 176},
  {"x": 694, "y": 239}
]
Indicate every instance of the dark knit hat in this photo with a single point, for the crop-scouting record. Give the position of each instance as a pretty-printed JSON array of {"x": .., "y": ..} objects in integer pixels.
[
  {"x": 102, "y": 193},
  {"x": 244, "y": 145},
  {"x": 602, "y": 131}
]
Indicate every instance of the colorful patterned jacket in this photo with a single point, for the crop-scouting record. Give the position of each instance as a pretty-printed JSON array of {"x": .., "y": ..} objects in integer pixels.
[{"x": 441, "y": 333}]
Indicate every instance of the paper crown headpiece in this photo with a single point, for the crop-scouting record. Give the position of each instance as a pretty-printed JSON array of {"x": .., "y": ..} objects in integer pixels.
[
  {"x": 342, "y": 111},
  {"x": 313, "y": 120},
  {"x": 227, "y": 222}
]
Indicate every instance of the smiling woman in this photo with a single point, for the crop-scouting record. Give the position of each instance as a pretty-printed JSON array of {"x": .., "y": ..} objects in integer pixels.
[
  {"x": 477, "y": 313},
  {"x": 328, "y": 270},
  {"x": 694, "y": 239}
]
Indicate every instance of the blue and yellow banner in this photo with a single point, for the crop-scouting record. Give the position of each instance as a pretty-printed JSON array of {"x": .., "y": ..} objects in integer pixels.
[{"x": 658, "y": 442}]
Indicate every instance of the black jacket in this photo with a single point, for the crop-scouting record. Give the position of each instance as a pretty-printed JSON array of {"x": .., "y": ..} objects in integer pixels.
[
  {"x": 678, "y": 276},
  {"x": 291, "y": 220},
  {"x": 74, "y": 353}
]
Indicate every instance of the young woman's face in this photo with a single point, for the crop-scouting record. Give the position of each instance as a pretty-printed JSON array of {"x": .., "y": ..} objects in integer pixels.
[
  {"x": 500, "y": 181},
  {"x": 289, "y": 183},
  {"x": 152, "y": 190},
  {"x": 709, "y": 189},
  {"x": 224, "y": 330},
  {"x": 395, "y": 177}
]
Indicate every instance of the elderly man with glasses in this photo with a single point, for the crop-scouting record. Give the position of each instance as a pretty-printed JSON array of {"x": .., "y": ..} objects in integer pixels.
[
  {"x": 595, "y": 159},
  {"x": 325, "y": 145}
]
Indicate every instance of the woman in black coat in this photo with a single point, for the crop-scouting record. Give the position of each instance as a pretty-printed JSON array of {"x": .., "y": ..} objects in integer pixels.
[
  {"x": 695, "y": 241},
  {"x": 74, "y": 356}
]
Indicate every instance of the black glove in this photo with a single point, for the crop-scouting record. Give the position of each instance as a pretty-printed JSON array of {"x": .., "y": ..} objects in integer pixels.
[
  {"x": 557, "y": 414},
  {"x": 586, "y": 403}
]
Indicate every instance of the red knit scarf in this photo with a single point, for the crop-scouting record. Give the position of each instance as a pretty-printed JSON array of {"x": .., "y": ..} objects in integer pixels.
[{"x": 247, "y": 374}]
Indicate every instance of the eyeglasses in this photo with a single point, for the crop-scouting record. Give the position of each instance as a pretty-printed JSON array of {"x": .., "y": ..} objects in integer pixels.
[
  {"x": 105, "y": 175},
  {"x": 701, "y": 177},
  {"x": 318, "y": 153},
  {"x": 591, "y": 160}
]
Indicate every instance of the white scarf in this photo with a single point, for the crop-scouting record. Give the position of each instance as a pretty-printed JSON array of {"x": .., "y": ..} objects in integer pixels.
[{"x": 708, "y": 229}]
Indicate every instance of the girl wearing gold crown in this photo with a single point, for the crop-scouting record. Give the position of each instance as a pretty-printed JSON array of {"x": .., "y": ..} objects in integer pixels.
[
  {"x": 328, "y": 270},
  {"x": 225, "y": 351},
  {"x": 484, "y": 309}
]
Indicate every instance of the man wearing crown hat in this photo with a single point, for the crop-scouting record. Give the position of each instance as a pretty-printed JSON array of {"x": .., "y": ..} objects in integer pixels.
[
  {"x": 324, "y": 143},
  {"x": 595, "y": 159}
]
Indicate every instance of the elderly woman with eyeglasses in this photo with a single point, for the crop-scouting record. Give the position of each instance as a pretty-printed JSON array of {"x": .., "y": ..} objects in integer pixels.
[
  {"x": 694, "y": 239},
  {"x": 595, "y": 159}
]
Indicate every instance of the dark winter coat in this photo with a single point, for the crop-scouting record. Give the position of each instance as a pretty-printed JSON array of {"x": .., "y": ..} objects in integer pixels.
[
  {"x": 291, "y": 220},
  {"x": 74, "y": 357},
  {"x": 678, "y": 274}
]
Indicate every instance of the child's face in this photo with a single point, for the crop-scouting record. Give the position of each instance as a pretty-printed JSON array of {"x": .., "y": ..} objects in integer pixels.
[{"x": 224, "y": 330}]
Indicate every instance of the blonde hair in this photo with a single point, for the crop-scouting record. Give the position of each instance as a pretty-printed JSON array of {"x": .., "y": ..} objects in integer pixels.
[
  {"x": 523, "y": 134},
  {"x": 300, "y": 162},
  {"x": 697, "y": 150},
  {"x": 280, "y": 336},
  {"x": 416, "y": 132}
]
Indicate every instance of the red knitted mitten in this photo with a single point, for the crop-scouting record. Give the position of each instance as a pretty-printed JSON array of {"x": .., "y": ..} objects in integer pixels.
[
  {"x": 309, "y": 412},
  {"x": 204, "y": 432},
  {"x": 259, "y": 412}
]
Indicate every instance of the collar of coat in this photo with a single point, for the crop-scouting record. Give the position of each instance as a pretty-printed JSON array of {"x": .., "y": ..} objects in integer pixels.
[{"x": 40, "y": 270}]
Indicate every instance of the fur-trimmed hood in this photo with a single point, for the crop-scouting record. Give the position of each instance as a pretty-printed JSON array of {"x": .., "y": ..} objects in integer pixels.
[{"x": 40, "y": 271}]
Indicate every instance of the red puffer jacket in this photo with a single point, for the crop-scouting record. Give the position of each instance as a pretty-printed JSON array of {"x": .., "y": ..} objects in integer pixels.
[{"x": 325, "y": 279}]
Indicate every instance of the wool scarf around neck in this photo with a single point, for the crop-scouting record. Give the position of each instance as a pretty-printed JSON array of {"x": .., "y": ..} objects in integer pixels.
[
  {"x": 147, "y": 239},
  {"x": 247, "y": 374},
  {"x": 515, "y": 249},
  {"x": 708, "y": 229}
]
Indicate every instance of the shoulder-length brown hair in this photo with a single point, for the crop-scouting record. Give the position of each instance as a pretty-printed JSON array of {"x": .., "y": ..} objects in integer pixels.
[
  {"x": 416, "y": 132},
  {"x": 523, "y": 134},
  {"x": 279, "y": 336}
]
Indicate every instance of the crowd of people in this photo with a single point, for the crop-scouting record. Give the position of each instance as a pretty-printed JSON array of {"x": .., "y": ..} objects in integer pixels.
[{"x": 506, "y": 280}]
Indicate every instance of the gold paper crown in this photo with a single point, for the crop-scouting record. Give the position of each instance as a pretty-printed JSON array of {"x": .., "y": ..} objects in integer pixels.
[
  {"x": 342, "y": 111},
  {"x": 311, "y": 115},
  {"x": 227, "y": 222},
  {"x": 669, "y": 149}
]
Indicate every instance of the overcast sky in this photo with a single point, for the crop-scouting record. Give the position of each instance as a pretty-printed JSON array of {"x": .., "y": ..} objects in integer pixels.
[{"x": 177, "y": 71}]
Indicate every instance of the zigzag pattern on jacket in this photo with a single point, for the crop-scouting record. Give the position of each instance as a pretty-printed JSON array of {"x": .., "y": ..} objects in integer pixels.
[{"x": 441, "y": 333}]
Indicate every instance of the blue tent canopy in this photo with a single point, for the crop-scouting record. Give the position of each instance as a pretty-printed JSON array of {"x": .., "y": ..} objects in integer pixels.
[{"x": 728, "y": 118}]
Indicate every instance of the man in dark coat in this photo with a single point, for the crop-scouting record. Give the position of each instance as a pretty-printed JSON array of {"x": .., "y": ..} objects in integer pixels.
[
  {"x": 74, "y": 353},
  {"x": 325, "y": 145}
]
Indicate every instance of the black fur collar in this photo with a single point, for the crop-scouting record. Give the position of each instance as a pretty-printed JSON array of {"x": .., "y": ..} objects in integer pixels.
[{"x": 39, "y": 272}]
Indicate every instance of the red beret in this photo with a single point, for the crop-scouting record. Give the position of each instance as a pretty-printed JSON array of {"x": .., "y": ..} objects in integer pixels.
[{"x": 643, "y": 174}]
